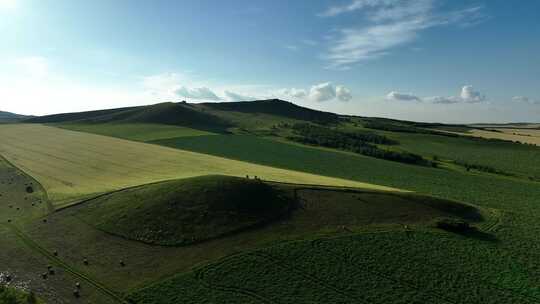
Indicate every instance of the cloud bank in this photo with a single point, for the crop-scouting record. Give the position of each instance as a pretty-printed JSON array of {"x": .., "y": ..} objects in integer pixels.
[
  {"x": 321, "y": 92},
  {"x": 395, "y": 96},
  {"x": 202, "y": 93},
  {"x": 467, "y": 95}
]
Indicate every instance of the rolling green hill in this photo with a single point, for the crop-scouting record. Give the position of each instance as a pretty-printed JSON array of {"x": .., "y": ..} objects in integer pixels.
[
  {"x": 7, "y": 117},
  {"x": 468, "y": 234},
  {"x": 275, "y": 107},
  {"x": 216, "y": 117},
  {"x": 177, "y": 114},
  {"x": 187, "y": 211}
]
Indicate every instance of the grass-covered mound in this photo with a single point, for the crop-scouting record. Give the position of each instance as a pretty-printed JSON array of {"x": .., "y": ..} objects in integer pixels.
[{"x": 186, "y": 211}]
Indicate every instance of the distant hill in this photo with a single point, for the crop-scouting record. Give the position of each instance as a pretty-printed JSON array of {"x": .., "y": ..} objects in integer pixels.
[
  {"x": 203, "y": 116},
  {"x": 169, "y": 113},
  {"x": 275, "y": 107},
  {"x": 7, "y": 117}
]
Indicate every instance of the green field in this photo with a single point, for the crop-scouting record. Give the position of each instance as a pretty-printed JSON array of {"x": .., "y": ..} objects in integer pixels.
[
  {"x": 523, "y": 160},
  {"x": 168, "y": 216},
  {"x": 72, "y": 165},
  {"x": 388, "y": 267},
  {"x": 482, "y": 189},
  {"x": 136, "y": 131}
]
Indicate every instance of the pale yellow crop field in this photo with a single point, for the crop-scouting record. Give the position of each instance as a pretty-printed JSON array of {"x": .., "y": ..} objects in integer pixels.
[
  {"x": 531, "y": 136},
  {"x": 71, "y": 165}
]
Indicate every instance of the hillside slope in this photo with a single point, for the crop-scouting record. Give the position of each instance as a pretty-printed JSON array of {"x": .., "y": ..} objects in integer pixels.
[
  {"x": 187, "y": 211},
  {"x": 214, "y": 117},
  {"x": 169, "y": 113},
  {"x": 275, "y": 107},
  {"x": 8, "y": 117}
]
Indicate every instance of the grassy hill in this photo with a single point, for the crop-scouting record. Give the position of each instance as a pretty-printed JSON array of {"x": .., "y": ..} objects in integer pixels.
[
  {"x": 7, "y": 117},
  {"x": 215, "y": 117},
  {"x": 169, "y": 113},
  {"x": 187, "y": 211},
  {"x": 275, "y": 107}
]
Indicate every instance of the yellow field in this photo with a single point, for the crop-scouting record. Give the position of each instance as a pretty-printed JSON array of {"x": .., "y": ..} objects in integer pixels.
[
  {"x": 71, "y": 165},
  {"x": 531, "y": 136}
]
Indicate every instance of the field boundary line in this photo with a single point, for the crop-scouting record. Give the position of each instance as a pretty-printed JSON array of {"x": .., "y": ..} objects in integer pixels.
[
  {"x": 50, "y": 206},
  {"x": 37, "y": 248},
  {"x": 307, "y": 187}
]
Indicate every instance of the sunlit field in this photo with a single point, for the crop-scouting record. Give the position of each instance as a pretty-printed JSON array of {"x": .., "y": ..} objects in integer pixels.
[{"x": 71, "y": 165}]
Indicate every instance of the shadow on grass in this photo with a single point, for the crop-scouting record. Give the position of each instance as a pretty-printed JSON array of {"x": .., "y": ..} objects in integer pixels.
[{"x": 473, "y": 233}]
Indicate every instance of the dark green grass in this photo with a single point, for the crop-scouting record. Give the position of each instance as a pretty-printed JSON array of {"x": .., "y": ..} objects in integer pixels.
[
  {"x": 520, "y": 159},
  {"x": 420, "y": 267},
  {"x": 135, "y": 131},
  {"x": 187, "y": 211},
  {"x": 477, "y": 188}
]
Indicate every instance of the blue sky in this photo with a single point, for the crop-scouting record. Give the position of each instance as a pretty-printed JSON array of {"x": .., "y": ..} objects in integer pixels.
[{"x": 428, "y": 60}]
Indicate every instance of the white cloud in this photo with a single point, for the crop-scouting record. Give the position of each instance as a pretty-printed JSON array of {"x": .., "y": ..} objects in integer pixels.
[
  {"x": 469, "y": 94},
  {"x": 387, "y": 25},
  {"x": 322, "y": 92},
  {"x": 231, "y": 96},
  {"x": 521, "y": 99},
  {"x": 525, "y": 99},
  {"x": 202, "y": 93},
  {"x": 342, "y": 93},
  {"x": 353, "y": 6},
  {"x": 296, "y": 93},
  {"x": 396, "y": 96},
  {"x": 443, "y": 100},
  {"x": 292, "y": 47}
]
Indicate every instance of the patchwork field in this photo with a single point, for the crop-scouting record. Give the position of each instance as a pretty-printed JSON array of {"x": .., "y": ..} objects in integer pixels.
[
  {"x": 72, "y": 165},
  {"x": 487, "y": 190},
  {"x": 530, "y": 136}
]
